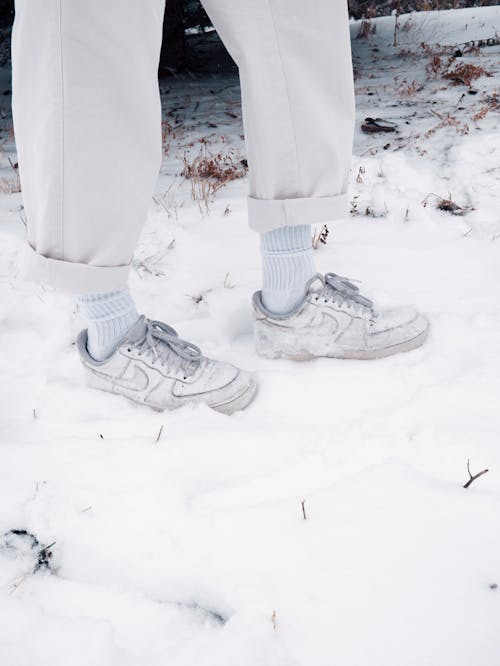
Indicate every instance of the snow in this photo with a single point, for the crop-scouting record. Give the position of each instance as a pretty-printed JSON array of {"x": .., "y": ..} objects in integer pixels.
[{"x": 180, "y": 537}]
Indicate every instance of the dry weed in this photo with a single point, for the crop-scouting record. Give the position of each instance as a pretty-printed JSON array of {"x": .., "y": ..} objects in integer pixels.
[
  {"x": 448, "y": 121},
  {"x": 409, "y": 89},
  {"x": 208, "y": 173},
  {"x": 465, "y": 73},
  {"x": 446, "y": 204}
]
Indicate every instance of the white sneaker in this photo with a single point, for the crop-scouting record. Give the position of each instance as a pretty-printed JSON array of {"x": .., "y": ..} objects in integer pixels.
[
  {"x": 154, "y": 367},
  {"x": 336, "y": 321}
]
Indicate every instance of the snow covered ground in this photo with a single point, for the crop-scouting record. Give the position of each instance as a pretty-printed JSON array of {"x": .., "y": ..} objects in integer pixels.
[{"x": 180, "y": 538}]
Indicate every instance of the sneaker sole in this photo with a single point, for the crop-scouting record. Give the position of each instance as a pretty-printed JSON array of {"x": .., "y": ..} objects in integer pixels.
[
  {"x": 240, "y": 402},
  {"x": 355, "y": 354},
  {"x": 228, "y": 407}
]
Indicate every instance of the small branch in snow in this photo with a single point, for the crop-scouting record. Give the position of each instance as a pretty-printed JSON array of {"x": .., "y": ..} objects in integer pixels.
[
  {"x": 37, "y": 487},
  {"x": 274, "y": 618},
  {"x": 303, "y": 505},
  {"x": 473, "y": 477},
  {"x": 159, "y": 435}
]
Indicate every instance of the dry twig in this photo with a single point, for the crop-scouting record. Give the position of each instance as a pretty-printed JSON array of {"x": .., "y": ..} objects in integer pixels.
[
  {"x": 159, "y": 435},
  {"x": 303, "y": 505},
  {"x": 473, "y": 477}
]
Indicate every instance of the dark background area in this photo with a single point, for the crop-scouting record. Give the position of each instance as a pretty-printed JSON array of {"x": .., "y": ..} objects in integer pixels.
[{"x": 187, "y": 52}]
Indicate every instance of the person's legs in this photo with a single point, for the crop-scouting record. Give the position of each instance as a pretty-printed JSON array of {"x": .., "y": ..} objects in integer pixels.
[
  {"x": 87, "y": 119},
  {"x": 295, "y": 67},
  {"x": 294, "y": 59}
]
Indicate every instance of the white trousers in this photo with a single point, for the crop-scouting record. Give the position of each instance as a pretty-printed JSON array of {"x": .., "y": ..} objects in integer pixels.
[{"x": 87, "y": 121}]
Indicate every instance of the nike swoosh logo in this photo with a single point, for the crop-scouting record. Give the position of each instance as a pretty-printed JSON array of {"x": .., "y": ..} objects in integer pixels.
[
  {"x": 342, "y": 321},
  {"x": 139, "y": 381}
]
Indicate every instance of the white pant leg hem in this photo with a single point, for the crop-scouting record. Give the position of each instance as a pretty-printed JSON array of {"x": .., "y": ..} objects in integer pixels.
[
  {"x": 71, "y": 276},
  {"x": 268, "y": 214}
]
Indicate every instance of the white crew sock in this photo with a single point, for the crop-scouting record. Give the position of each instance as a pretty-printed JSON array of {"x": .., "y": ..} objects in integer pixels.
[
  {"x": 109, "y": 316},
  {"x": 287, "y": 264}
]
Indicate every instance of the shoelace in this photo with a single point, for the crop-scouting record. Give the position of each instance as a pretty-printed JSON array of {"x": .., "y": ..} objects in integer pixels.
[
  {"x": 341, "y": 290},
  {"x": 175, "y": 352}
]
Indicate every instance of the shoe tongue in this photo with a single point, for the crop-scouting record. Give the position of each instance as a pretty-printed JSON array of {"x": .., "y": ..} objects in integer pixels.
[{"x": 137, "y": 331}]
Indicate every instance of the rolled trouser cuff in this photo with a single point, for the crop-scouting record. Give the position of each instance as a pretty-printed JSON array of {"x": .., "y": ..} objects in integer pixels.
[
  {"x": 267, "y": 214},
  {"x": 71, "y": 276}
]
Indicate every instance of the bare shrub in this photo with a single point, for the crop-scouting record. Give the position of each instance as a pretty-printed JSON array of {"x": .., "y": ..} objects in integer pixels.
[{"x": 209, "y": 172}]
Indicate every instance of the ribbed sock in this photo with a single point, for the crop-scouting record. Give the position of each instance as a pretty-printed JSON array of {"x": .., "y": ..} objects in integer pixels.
[
  {"x": 287, "y": 264},
  {"x": 109, "y": 316}
]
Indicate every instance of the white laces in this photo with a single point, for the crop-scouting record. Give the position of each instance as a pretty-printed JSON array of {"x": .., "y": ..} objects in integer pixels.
[
  {"x": 161, "y": 342},
  {"x": 339, "y": 290}
]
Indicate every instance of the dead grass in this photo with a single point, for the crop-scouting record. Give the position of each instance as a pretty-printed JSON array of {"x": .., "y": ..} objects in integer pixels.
[
  {"x": 168, "y": 200},
  {"x": 409, "y": 89},
  {"x": 448, "y": 121},
  {"x": 482, "y": 113},
  {"x": 446, "y": 204},
  {"x": 11, "y": 185},
  {"x": 169, "y": 133},
  {"x": 208, "y": 173},
  {"x": 489, "y": 103},
  {"x": 366, "y": 29},
  {"x": 444, "y": 63},
  {"x": 465, "y": 73},
  {"x": 320, "y": 236}
]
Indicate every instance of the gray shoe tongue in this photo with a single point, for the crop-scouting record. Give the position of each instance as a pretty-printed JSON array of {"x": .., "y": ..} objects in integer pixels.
[{"x": 137, "y": 331}]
